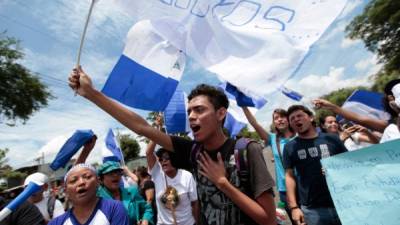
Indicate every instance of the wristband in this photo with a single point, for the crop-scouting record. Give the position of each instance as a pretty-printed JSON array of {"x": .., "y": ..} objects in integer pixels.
[{"x": 294, "y": 207}]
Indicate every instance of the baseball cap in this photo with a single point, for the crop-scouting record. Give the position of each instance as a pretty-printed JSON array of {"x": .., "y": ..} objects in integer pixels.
[{"x": 108, "y": 166}]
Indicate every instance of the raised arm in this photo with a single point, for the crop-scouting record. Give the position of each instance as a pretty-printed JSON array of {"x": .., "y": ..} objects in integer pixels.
[
  {"x": 87, "y": 148},
  {"x": 151, "y": 158},
  {"x": 129, "y": 173},
  {"x": 81, "y": 83},
  {"x": 252, "y": 120},
  {"x": 371, "y": 123}
]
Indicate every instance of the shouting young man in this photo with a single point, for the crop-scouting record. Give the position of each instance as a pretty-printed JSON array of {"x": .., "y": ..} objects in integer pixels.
[{"x": 219, "y": 191}]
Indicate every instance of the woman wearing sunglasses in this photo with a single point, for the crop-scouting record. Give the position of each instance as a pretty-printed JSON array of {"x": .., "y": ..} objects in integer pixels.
[{"x": 176, "y": 194}]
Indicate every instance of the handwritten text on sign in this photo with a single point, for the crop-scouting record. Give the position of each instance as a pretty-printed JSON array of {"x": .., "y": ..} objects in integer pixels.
[{"x": 365, "y": 184}]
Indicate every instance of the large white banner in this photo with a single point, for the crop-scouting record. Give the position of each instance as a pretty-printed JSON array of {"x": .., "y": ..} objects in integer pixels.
[{"x": 242, "y": 41}]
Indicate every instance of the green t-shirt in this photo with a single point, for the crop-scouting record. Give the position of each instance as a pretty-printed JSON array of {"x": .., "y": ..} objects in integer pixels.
[{"x": 136, "y": 206}]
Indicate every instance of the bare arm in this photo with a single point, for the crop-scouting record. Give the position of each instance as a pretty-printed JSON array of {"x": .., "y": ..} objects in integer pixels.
[
  {"x": 81, "y": 83},
  {"x": 262, "y": 210},
  {"x": 366, "y": 121},
  {"x": 252, "y": 120},
  {"x": 87, "y": 148},
  {"x": 297, "y": 214},
  {"x": 196, "y": 211},
  {"x": 130, "y": 174},
  {"x": 151, "y": 158}
]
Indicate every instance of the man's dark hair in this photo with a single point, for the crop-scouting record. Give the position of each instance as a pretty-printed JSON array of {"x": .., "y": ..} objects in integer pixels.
[
  {"x": 216, "y": 96},
  {"x": 294, "y": 108}
]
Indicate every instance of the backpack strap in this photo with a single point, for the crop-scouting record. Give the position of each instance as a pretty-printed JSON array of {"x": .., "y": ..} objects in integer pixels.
[
  {"x": 51, "y": 202},
  {"x": 242, "y": 165},
  {"x": 194, "y": 153}
]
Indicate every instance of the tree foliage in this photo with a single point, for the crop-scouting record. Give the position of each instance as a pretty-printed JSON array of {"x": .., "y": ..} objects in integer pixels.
[
  {"x": 129, "y": 146},
  {"x": 382, "y": 78},
  {"x": 379, "y": 27},
  {"x": 245, "y": 132},
  {"x": 21, "y": 92},
  {"x": 6, "y": 171}
]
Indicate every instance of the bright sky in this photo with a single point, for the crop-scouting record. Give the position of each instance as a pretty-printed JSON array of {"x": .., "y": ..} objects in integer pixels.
[{"x": 50, "y": 30}]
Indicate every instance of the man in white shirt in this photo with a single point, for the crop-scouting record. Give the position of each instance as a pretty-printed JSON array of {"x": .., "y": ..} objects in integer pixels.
[{"x": 48, "y": 205}]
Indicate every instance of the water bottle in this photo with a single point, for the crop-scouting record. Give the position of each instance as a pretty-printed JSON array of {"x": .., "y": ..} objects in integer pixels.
[{"x": 281, "y": 215}]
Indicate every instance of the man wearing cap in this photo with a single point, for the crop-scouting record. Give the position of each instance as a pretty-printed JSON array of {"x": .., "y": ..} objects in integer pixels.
[{"x": 48, "y": 205}]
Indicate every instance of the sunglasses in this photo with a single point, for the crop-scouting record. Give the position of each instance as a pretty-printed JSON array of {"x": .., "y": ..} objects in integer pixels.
[{"x": 164, "y": 157}]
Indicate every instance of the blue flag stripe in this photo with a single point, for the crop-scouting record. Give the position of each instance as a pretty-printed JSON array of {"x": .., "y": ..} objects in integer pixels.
[{"x": 137, "y": 86}]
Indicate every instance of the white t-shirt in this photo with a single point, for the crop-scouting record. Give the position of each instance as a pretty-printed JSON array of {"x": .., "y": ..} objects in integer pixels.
[
  {"x": 42, "y": 206},
  {"x": 184, "y": 183},
  {"x": 391, "y": 132}
]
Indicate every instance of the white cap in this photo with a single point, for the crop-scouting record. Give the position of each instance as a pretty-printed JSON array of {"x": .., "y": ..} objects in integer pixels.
[
  {"x": 396, "y": 94},
  {"x": 38, "y": 178}
]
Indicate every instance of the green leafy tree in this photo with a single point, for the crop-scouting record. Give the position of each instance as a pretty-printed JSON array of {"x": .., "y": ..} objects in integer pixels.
[
  {"x": 245, "y": 132},
  {"x": 21, "y": 92},
  {"x": 337, "y": 97},
  {"x": 379, "y": 27},
  {"x": 129, "y": 146},
  {"x": 382, "y": 78},
  {"x": 6, "y": 171}
]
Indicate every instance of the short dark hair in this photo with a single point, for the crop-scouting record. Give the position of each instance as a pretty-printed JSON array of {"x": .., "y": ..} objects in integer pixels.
[
  {"x": 294, "y": 108},
  {"x": 215, "y": 95}
]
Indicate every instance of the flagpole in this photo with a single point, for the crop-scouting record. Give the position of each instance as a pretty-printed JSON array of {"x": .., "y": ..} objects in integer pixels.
[{"x": 78, "y": 61}]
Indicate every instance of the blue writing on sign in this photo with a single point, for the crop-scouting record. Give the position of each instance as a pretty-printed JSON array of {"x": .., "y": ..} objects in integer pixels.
[
  {"x": 277, "y": 17},
  {"x": 248, "y": 10},
  {"x": 238, "y": 13},
  {"x": 198, "y": 7},
  {"x": 168, "y": 2},
  {"x": 183, "y": 4}
]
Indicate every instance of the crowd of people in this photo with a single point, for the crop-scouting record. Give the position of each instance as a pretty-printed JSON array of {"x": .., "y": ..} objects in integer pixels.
[{"x": 214, "y": 179}]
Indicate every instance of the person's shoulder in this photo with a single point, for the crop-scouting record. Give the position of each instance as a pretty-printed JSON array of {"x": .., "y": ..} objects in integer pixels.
[
  {"x": 185, "y": 173},
  {"x": 109, "y": 204},
  {"x": 181, "y": 140},
  {"x": 330, "y": 137}
]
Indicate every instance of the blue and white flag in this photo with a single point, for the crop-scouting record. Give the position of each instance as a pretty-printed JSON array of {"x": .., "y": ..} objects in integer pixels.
[
  {"x": 30, "y": 189},
  {"x": 111, "y": 151},
  {"x": 291, "y": 93},
  {"x": 175, "y": 114},
  {"x": 70, "y": 147},
  {"x": 255, "y": 44},
  {"x": 366, "y": 103},
  {"x": 235, "y": 119},
  {"x": 148, "y": 72},
  {"x": 245, "y": 97}
]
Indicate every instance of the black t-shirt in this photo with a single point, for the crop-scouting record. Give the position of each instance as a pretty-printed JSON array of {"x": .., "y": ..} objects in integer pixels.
[
  {"x": 25, "y": 214},
  {"x": 304, "y": 155},
  {"x": 216, "y": 208}
]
